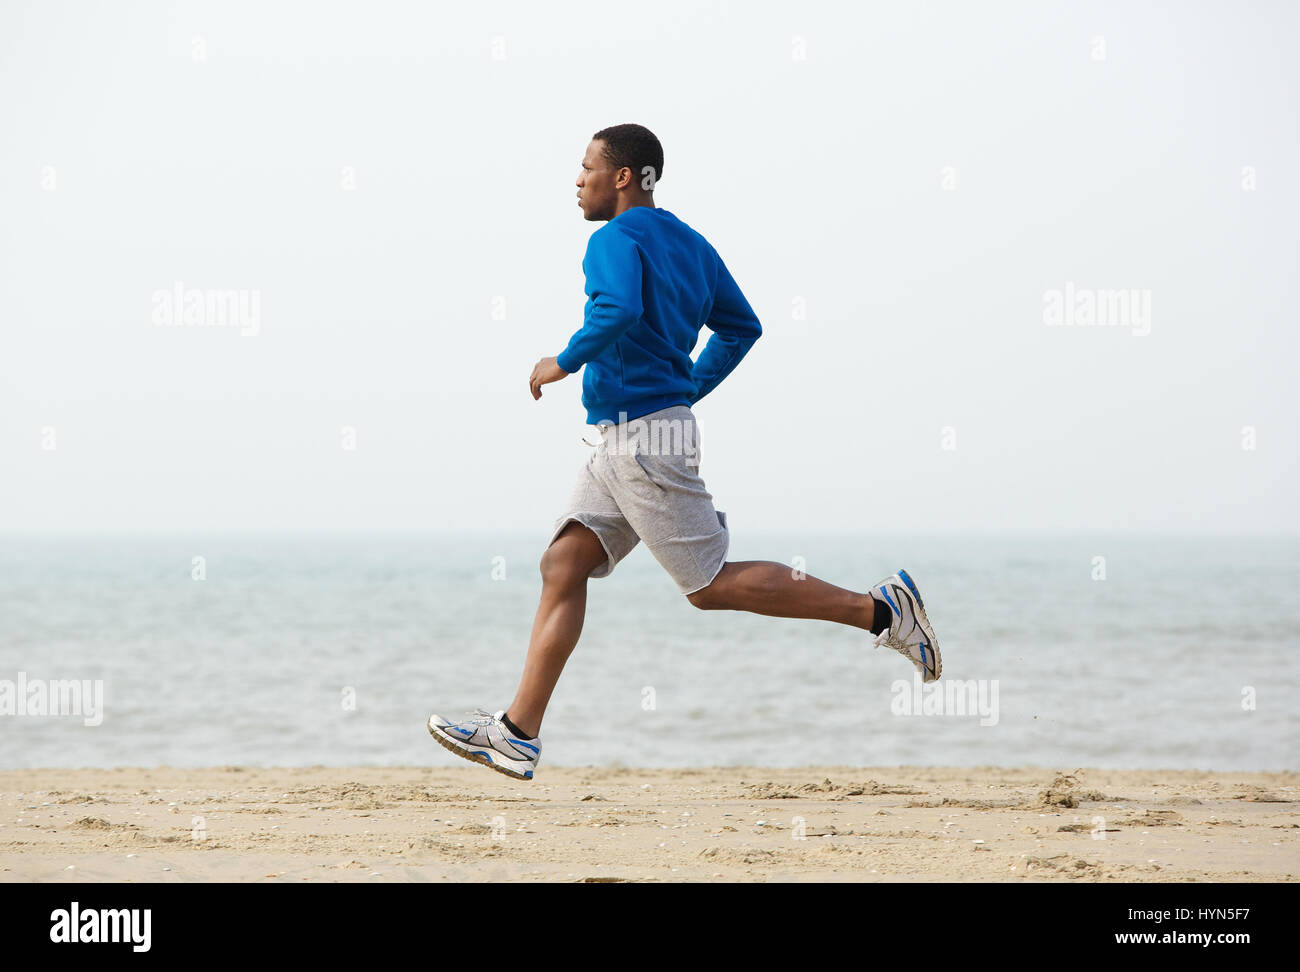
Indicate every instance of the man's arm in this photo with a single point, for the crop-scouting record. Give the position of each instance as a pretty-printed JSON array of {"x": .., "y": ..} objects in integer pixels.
[
  {"x": 735, "y": 328},
  {"x": 613, "y": 269}
]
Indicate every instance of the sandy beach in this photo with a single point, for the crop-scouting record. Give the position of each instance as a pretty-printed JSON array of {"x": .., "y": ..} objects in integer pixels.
[{"x": 610, "y": 825}]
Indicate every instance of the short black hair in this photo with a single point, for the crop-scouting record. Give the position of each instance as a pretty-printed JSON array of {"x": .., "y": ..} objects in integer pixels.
[{"x": 634, "y": 146}]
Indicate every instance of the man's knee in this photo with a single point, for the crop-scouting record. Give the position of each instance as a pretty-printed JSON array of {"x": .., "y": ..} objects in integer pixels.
[
  {"x": 705, "y": 598},
  {"x": 572, "y": 556},
  {"x": 559, "y": 566},
  {"x": 715, "y": 597}
]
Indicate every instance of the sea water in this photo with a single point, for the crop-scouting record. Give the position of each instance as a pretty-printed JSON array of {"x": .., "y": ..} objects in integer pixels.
[{"x": 1137, "y": 651}]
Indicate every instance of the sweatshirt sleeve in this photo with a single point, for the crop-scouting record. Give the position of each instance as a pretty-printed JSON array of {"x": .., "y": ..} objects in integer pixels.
[
  {"x": 612, "y": 266},
  {"x": 735, "y": 328}
]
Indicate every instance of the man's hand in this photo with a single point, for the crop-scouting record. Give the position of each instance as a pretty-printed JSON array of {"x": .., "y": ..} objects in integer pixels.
[{"x": 544, "y": 372}]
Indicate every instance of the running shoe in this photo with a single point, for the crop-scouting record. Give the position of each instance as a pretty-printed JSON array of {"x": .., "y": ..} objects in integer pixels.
[
  {"x": 909, "y": 632},
  {"x": 484, "y": 738}
]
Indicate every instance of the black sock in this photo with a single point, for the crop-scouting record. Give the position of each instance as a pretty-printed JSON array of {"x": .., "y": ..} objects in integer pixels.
[
  {"x": 514, "y": 728},
  {"x": 883, "y": 616}
]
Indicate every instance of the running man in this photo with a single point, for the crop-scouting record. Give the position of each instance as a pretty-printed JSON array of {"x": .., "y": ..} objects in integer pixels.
[{"x": 652, "y": 283}]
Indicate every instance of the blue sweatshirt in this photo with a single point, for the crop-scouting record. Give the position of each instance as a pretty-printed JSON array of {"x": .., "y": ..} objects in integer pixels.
[{"x": 652, "y": 283}]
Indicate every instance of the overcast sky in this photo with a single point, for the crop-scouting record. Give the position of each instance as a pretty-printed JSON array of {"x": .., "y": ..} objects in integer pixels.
[{"x": 910, "y": 195}]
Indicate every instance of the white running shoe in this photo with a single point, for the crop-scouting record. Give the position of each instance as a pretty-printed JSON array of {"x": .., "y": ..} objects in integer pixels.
[
  {"x": 484, "y": 738},
  {"x": 909, "y": 632}
]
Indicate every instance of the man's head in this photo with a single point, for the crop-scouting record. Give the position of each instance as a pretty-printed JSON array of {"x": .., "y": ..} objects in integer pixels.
[{"x": 620, "y": 170}]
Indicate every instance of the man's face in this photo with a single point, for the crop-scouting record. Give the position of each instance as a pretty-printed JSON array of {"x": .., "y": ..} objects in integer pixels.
[{"x": 597, "y": 193}]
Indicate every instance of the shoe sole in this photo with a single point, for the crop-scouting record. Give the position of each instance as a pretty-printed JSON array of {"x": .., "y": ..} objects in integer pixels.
[
  {"x": 925, "y": 623},
  {"x": 474, "y": 755}
]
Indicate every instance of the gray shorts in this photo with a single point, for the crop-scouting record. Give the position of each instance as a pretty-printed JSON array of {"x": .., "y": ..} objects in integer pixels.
[{"x": 642, "y": 482}]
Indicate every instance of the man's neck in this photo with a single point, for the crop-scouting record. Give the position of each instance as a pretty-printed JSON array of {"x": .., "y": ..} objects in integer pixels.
[{"x": 622, "y": 207}]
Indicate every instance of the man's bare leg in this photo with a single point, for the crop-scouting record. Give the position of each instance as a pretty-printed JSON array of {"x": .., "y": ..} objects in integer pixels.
[
  {"x": 761, "y": 587},
  {"x": 766, "y": 587},
  {"x": 566, "y": 564}
]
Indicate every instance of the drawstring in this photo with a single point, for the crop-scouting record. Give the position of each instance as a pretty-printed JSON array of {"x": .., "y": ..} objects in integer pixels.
[{"x": 594, "y": 444}]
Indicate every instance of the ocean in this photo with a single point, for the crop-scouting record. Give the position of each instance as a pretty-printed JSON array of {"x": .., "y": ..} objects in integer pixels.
[{"x": 301, "y": 650}]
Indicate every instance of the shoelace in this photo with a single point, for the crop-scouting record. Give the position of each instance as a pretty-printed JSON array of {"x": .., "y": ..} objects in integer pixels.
[
  {"x": 902, "y": 649},
  {"x": 888, "y": 641}
]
